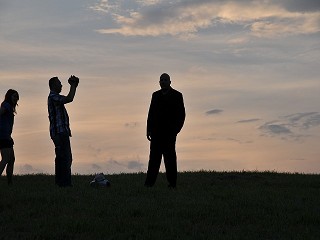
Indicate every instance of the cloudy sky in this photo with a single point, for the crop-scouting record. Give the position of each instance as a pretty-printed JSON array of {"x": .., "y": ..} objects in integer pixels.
[{"x": 249, "y": 72}]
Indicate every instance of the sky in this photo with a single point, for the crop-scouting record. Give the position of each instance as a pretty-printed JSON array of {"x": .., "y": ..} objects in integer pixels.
[{"x": 248, "y": 70}]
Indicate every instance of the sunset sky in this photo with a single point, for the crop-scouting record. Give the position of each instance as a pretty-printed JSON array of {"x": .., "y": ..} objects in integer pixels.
[{"x": 248, "y": 70}]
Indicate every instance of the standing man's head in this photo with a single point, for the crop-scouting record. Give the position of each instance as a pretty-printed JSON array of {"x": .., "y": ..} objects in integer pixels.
[
  {"x": 165, "y": 81},
  {"x": 55, "y": 84}
]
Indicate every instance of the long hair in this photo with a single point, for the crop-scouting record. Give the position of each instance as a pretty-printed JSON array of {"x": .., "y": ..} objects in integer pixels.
[{"x": 8, "y": 99}]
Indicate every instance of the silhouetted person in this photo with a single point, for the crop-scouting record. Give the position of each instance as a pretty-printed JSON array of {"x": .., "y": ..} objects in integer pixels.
[
  {"x": 60, "y": 132},
  {"x": 7, "y": 112},
  {"x": 165, "y": 120}
]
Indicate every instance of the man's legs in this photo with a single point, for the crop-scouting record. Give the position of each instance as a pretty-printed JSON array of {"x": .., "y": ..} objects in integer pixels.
[
  {"x": 170, "y": 160},
  {"x": 63, "y": 160},
  {"x": 154, "y": 161},
  {"x": 10, "y": 166},
  {"x": 5, "y": 155},
  {"x": 8, "y": 159},
  {"x": 58, "y": 160}
]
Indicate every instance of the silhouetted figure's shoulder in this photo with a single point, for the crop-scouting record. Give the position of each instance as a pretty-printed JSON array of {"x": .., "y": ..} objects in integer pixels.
[{"x": 172, "y": 91}]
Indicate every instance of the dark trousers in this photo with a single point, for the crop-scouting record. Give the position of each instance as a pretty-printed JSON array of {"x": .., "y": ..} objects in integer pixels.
[
  {"x": 63, "y": 159},
  {"x": 7, "y": 162},
  {"x": 162, "y": 146}
]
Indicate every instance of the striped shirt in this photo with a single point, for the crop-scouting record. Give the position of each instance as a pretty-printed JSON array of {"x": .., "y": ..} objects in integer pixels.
[{"x": 58, "y": 116}]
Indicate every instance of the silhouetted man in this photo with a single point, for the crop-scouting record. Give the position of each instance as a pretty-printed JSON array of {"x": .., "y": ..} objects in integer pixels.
[
  {"x": 165, "y": 120},
  {"x": 60, "y": 132}
]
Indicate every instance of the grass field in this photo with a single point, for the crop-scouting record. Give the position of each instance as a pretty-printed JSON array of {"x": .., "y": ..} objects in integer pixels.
[{"x": 205, "y": 205}]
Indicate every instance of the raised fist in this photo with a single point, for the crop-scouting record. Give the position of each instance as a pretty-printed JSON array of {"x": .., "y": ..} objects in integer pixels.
[{"x": 73, "y": 80}]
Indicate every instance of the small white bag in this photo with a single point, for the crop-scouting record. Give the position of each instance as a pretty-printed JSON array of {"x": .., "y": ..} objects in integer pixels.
[{"x": 100, "y": 181}]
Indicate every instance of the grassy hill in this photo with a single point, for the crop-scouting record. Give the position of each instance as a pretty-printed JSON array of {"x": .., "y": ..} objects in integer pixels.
[{"x": 205, "y": 205}]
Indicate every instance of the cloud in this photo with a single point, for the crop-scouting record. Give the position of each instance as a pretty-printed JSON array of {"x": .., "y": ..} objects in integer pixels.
[
  {"x": 135, "y": 165},
  {"x": 131, "y": 124},
  {"x": 148, "y": 2},
  {"x": 249, "y": 120},
  {"x": 214, "y": 111},
  {"x": 304, "y": 120},
  {"x": 238, "y": 141},
  {"x": 114, "y": 162},
  {"x": 28, "y": 169},
  {"x": 95, "y": 166},
  {"x": 275, "y": 128},
  {"x": 292, "y": 126},
  {"x": 300, "y": 6},
  {"x": 104, "y": 6},
  {"x": 128, "y": 165},
  {"x": 186, "y": 18},
  {"x": 302, "y": 24}
]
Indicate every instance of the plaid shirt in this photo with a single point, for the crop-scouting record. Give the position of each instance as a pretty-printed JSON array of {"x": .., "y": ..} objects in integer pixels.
[{"x": 58, "y": 116}]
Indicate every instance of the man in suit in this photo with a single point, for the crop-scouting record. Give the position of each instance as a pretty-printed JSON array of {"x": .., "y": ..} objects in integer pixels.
[{"x": 165, "y": 120}]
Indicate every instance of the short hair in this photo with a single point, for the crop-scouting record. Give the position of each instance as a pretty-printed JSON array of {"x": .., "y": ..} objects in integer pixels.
[
  {"x": 52, "y": 81},
  {"x": 165, "y": 76}
]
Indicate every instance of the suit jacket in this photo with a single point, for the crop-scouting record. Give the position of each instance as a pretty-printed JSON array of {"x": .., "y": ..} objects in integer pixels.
[{"x": 166, "y": 113}]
